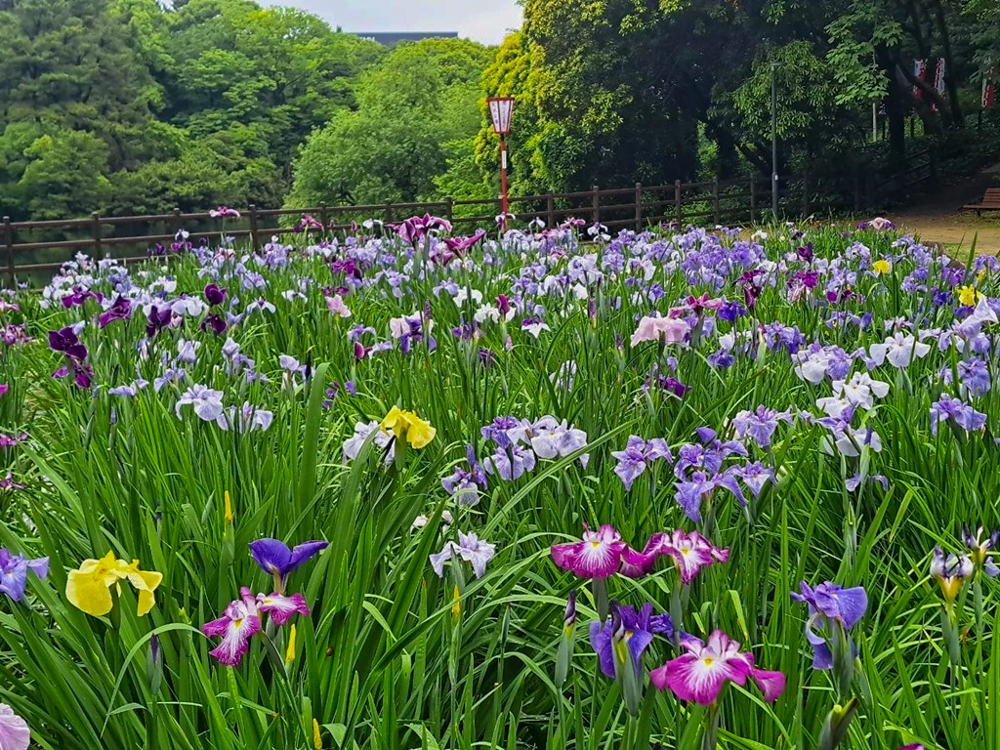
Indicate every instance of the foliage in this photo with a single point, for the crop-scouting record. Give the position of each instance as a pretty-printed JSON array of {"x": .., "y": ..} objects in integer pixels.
[
  {"x": 421, "y": 98},
  {"x": 215, "y": 92}
]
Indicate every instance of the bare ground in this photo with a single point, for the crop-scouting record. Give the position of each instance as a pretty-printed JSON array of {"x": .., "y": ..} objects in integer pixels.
[{"x": 939, "y": 218}]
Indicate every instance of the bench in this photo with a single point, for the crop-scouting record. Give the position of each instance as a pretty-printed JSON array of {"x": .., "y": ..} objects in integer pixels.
[{"x": 990, "y": 202}]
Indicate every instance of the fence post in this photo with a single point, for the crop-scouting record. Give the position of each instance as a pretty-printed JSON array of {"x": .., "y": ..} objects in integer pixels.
[
  {"x": 449, "y": 208},
  {"x": 9, "y": 244},
  {"x": 550, "y": 210},
  {"x": 388, "y": 212},
  {"x": 254, "y": 239},
  {"x": 805, "y": 194},
  {"x": 753, "y": 197},
  {"x": 716, "y": 208},
  {"x": 638, "y": 206},
  {"x": 597, "y": 205},
  {"x": 177, "y": 221},
  {"x": 96, "y": 223},
  {"x": 677, "y": 202},
  {"x": 324, "y": 215}
]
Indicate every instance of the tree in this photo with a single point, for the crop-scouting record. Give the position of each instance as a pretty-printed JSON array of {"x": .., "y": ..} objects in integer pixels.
[
  {"x": 423, "y": 96},
  {"x": 64, "y": 175}
]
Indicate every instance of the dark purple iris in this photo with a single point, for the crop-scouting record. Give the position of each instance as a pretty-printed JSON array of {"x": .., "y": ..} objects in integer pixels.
[
  {"x": 503, "y": 304},
  {"x": 751, "y": 290},
  {"x": 65, "y": 341},
  {"x": 345, "y": 266},
  {"x": 214, "y": 322},
  {"x": 214, "y": 294},
  {"x": 121, "y": 309},
  {"x": 805, "y": 252},
  {"x": 79, "y": 296},
  {"x": 157, "y": 320}
]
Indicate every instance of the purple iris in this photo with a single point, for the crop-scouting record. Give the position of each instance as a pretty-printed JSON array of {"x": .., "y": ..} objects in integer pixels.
[
  {"x": 79, "y": 296},
  {"x": 275, "y": 558},
  {"x": 830, "y": 606},
  {"x": 157, "y": 320},
  {"x": 67, "y": 342},
  {"x": 464, "y": 484},
  {"x": 214, "y": 322},
  {"x": 121, "y": 309},
  {"x": 14, "y": 572},
  {"x": 948, "y": 409},
  {"x": 214, "y": 294},
  {"x": 635, "y": 628},
  {"x": 638, "y": 454}
]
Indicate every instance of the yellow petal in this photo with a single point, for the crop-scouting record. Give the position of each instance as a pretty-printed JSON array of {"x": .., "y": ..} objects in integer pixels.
[
  {"x": 394, "y": 421},
  {"x": 317, "y": 740},
  {"x": 89, "y": 593},
  {"x": 145, "y": 582},
  {"x": 420, "y": 433}
]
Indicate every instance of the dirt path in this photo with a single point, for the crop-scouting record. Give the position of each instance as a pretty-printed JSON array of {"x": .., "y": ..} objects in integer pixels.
[{"x": 941, "y": 219}]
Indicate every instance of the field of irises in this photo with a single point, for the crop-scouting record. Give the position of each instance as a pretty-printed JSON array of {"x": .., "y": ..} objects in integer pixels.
[{"x": 550, "y": 489}]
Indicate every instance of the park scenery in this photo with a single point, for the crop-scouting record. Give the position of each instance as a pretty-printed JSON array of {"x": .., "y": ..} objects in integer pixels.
[{"x": 419, "y": 466}]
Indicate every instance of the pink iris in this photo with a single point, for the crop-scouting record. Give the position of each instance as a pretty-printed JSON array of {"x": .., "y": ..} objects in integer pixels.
[
  {"x": 281, "y": 607},
  {"x": 598, "y": 555},
  {"x": 236, "y": 627},
  {"x": 690, "y": 551},
  {"x": 700, "y": 674}
]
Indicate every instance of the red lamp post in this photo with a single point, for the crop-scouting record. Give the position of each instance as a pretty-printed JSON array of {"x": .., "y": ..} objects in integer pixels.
[{"x": 501, "y": 108}]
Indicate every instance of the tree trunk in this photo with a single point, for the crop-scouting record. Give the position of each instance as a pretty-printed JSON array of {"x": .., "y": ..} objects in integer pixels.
[
  {"x": 957, "y": 119},
  {"x": 894, "y": 108}
]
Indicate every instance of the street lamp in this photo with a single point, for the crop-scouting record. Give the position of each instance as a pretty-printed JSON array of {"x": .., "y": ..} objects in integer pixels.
[
  {"x": 774, "y": 140},
  {"x": 501, "y": 108}
]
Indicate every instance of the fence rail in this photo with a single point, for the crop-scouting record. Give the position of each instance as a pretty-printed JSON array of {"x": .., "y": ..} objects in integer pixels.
[{"x": 635, "y": 207}]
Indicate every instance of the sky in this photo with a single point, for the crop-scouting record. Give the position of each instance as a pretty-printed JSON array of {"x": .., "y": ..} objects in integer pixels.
[{"x": 483, "y": 20}]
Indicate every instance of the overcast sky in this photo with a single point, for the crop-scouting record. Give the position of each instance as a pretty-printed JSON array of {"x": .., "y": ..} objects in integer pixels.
[{"x": 482, "y": 20}]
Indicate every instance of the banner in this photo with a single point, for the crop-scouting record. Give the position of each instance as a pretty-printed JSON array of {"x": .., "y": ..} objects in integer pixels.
[
  {"x": 939, "y": 76},
  {"x": 989, "y": 88}
]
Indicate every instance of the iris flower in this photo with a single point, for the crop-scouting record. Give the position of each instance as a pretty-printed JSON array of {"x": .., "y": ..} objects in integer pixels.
[
  {"x": 236, "y": 627},
  {"x": 829, "y": 606},
  {"x": 276, "y": 559},
  {"x": 470, "y": 548},
  {"x": 634, "y": 628},
  {"x": 281, "y": 607},
  {"x": 665, "y": 330},
  {"x": 979, "y": 547},
  {"x": 597, "y": 555},
  {"x": 88, "y": 588},
  {"x": 14, "y": 731},
  {"x": 950, "y": 571},
  {"x": 700, "y": 674},
  {"x": 14, "y": 573},
  {"x": 406, "y": 425}
]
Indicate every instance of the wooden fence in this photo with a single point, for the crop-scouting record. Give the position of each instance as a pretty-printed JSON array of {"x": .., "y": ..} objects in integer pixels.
[{"x": 638, "y": 207}]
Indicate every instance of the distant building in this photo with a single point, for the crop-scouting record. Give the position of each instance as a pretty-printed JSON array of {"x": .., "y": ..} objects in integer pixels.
[{"x": 389, "y": 38}]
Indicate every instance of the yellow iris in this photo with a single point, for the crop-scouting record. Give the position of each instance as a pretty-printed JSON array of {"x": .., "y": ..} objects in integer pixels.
[
  {"x": 881, "y": 267},
  {"x": 89, "y": 587},
  {"x": 228, "y": 509},
  {"x": 968, "y": 295},
  {"x": 406, "y": 425},
  {"x": 317, "y": 740}
]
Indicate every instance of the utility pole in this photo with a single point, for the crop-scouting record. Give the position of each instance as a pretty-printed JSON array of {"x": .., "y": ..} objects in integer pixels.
[{"x": 774, "y": 140}]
